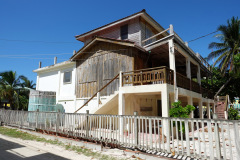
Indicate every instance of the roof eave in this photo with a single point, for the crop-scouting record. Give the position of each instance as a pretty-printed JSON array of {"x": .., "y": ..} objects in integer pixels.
[
  {"x": 110, "y": 24},
  {"x": 119, "y": 42}
]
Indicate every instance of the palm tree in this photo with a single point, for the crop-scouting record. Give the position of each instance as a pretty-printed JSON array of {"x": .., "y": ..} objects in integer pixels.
[
  {"x": 27, "y": 83},
  {"x": 9, "y": 82},
  {"x": 227, "y": 48}
]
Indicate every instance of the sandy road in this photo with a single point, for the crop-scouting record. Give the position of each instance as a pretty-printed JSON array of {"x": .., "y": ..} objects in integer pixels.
[{"x": 15, "y": 149}]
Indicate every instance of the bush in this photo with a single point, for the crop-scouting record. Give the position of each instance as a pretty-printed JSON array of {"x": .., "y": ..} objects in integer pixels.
[
  {"x": 233, "y": 114},
  {"x": 179, "y": 111}
]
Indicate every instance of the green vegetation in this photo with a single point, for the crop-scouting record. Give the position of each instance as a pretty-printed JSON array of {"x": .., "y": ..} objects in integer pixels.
[
  {"x": 233, "y": 114},
  {"x": 179, "y": 111},
  {"x": 227, "y": 52},
  {"x": 231, "y": 89},
  {"x": 81, "y": 150},
  {"x": 12, "y": 89}
]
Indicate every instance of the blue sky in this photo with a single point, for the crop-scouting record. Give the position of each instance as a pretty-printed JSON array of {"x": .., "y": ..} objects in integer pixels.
[{"x": 61, "y": 20}]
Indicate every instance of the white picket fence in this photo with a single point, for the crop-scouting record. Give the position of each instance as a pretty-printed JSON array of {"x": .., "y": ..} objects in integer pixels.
[{"x": 193, "y": 138}]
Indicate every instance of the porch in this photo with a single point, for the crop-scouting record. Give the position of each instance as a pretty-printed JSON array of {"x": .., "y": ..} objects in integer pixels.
[{"x": 162, "y": 75}]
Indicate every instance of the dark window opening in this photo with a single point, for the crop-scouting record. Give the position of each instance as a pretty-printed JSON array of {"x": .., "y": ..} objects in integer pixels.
[
  {"x": 67, "y": 77},
  {"x": 124, "y": 32}
]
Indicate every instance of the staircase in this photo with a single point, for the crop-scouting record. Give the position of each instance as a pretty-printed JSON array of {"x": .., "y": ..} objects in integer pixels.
[
  {"x": 221, "y": 106},
  {"x": 108, "y": 105},
  {"x": 108, "y": 101}
]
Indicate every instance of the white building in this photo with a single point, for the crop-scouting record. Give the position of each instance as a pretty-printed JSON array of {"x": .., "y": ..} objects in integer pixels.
[{"x": 59, "y": 78}]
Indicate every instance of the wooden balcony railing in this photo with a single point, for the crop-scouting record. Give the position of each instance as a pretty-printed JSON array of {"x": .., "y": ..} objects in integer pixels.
[
  {"x": 195, "y": 87},
  {"x": 183, "y": 81},
  {"x": 161, "y": 75},
  {"x": 157, "y": 75}
]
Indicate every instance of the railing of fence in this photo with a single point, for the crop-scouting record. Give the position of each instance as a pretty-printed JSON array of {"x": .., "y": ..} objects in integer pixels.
[{"x": 195, "y": 138}]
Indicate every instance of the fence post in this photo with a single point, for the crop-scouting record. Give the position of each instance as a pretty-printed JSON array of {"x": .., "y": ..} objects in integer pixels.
[
  {"x": 36, "y": 119},
  {"x": 87, "y": 127},
  {"x": 136, "y": 129},
  {"x": 21, "y": 125},
  {"x": 237, "y": 142},
  {"x": 57, "y": 121},
  {"x": 1, "y": 113},
  {"x": 187, "y": 137},
  {"x": 217, "y": 138},
  {"x": 167, "y": 125}
]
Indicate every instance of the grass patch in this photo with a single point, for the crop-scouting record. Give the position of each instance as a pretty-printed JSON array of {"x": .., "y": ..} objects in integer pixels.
[{"x": 81, "y": 150}]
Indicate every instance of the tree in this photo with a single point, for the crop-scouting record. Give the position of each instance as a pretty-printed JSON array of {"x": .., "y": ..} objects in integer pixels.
[
  {"x": 227, "y": 48},
  {"x": 218, "y": 80},
  {"x": 27, "y": 83},
  {"x": 9, "y": 82}
]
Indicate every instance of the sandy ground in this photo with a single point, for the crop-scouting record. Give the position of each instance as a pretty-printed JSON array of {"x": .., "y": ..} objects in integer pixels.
[{"x": 13, "y": 148}]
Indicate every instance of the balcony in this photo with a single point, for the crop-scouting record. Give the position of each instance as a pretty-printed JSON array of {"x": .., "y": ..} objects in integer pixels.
[{"x": 161, "y": 75}]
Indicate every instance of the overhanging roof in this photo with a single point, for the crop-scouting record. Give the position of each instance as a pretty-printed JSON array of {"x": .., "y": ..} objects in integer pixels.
[
  {"x": 142, "y": 13},
  {"x": 108, "y": 40},
  {"x": 55, "y": 66}
]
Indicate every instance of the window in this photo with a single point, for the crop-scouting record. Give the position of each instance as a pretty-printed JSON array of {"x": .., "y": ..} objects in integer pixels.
[
  {"x": 148, "y": 34},
  {"x": 124, "y": 32},
  {"x": 67, "y": 77}
]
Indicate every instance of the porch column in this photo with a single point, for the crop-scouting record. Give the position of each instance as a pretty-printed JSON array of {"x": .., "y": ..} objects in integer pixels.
[
  {"x": 200, "y": 108},
  {"x": 208, "y": 111},
  {"x": 172, "y": 65},
  {"x": 190, "y": 102},
  {"x": 121, "y": 111},
  {"x": 188, "y": 71},
  {"x": 199, "y": 75},
  {"x": 165, "y": 113},
  {"x": 165, "y": 101}
]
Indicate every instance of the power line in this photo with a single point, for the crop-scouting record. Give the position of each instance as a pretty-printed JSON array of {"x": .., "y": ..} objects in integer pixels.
[
  {"x": 30, "y": 58},
  {"x": 57, "y": 54},
  {"x": 26, "y": 55},
  {"x": 15, "y": 40},
  {"x": 202, "y": 36}
]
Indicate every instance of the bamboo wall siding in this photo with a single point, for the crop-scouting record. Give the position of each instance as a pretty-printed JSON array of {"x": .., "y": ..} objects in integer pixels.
[{"x": 94, "y": 70}]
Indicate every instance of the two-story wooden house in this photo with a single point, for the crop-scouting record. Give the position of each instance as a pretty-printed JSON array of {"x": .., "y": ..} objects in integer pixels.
[{"x": 134, "y": 64}]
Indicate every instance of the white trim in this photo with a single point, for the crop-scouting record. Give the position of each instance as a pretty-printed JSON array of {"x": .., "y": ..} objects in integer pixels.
[
  {"x": 62, "y": 65},
  {"x": 113, "y": 24}
]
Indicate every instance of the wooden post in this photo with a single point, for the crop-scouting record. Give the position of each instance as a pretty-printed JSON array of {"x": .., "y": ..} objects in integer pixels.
[
  {"x": 136, "y": 129},
  {"x": 22, "y": 119},
  {"x": 217, "y": 138},
  {"x": 57, "y": 121},
  {"x": 37, "y": 112},
  {"x": 165, "y": 75},
  {"x": 171, "y": 29},
  {"x": 120, "y": 79},
  {"x": 87, "y": 127}
]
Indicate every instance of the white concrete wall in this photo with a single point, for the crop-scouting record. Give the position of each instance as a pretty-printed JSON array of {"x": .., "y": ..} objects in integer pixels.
[
  {"x": 48, "y": 81},
  {"x": 52, "y": 80},
  {"x": 67, "y": 90}
]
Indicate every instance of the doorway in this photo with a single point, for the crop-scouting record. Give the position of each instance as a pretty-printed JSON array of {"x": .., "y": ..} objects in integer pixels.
[{"x": 159, "y": 108}]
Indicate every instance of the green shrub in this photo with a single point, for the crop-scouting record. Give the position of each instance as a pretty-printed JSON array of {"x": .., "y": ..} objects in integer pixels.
[
  {"x": 179, "y": 111},
  {"x": 233, "y": 114}
]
